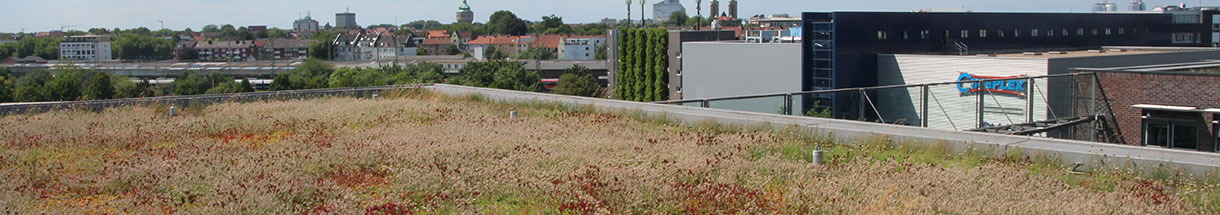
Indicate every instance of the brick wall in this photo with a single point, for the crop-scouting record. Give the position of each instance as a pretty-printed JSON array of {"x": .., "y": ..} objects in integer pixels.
[{"x": 1126, "y": 89}]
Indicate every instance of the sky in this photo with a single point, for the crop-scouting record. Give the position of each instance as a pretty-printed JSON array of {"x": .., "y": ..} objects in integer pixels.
[{"x": 46, "y": 15}]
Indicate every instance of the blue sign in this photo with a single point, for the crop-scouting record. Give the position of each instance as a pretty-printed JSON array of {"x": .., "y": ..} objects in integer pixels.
[{"x": 1005, "y": 85}]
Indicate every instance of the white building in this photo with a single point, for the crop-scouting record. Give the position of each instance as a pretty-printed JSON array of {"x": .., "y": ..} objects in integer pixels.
[
  {"x": 662, "y": 10},
  {"x": 86, "y": 48},
  {"x": 580, "y": 47},
  {"x": 366, "y": 47},
  {"x": 306, "y": 24}
]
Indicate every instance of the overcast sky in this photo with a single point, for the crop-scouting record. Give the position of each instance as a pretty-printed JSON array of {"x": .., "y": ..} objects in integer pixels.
[{"x": 44, "y": 15}]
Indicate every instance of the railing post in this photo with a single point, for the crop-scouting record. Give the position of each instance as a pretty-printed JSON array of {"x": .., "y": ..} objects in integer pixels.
[
  {"x": 982, "y": 102},
  {"x": 860, "y": 99},
  {"x": 705, "y": 104},
  {"x": 788, "y": 104},
  {"x": 924, "y": 115},
  {"x": 1029, "y": 100}
]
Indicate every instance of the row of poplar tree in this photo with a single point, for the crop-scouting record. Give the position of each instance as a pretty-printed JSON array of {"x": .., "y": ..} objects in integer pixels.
[{"x": 643, "y": 65}]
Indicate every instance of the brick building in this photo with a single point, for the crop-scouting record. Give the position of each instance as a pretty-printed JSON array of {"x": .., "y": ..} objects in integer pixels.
[
  {"x": 284, "y": 49},
  {"x": 1172, "y": 106},
  {"x": 239, "y": 50}
]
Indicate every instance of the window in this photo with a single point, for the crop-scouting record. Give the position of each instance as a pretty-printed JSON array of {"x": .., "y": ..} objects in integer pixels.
[
  {"x": 1000, "y": 33},
  {"x": 1050, "y": 32},
  {"x": 1179, "y": 130},
  {"x": 983, "y": 33},
  {"x": 923, "y": 34},
  {"x": 1016, "y": 33},
  {"x": 1107, "y": 31},
  {"x": 1033, "y": 33},
  {"x": 965, "y": 34},
  {"x": 906, "y": 36},
  {"x": 1079, "y": 32},
  {"x": 881, "y": 35},
  {"x": 1094, "y": 32}
]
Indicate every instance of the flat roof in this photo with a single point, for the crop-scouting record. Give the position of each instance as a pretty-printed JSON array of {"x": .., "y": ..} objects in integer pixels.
[{"x": 1081, "y": 53}]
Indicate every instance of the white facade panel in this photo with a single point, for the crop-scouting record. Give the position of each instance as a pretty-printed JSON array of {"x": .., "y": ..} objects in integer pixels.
[{"x": 956, "y": 106}]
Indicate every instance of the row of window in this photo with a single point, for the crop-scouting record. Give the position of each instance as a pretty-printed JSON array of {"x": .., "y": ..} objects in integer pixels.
[
  {"x": 1001, "y": 33},
  {"x": 1177, "y": 130}
]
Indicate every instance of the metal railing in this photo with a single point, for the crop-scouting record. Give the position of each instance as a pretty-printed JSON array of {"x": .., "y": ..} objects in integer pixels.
[
  {"x": 183, "y": 101},
  {"x": 961, "y": 105}
]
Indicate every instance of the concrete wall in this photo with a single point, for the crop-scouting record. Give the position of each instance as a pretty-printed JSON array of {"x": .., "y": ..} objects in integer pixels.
[
  {"x": 948, "y": 108},
  {"x": 1089, "y": 156},
  {"x": 676, "y": 38},
  {"x": 724, "y": 69}
]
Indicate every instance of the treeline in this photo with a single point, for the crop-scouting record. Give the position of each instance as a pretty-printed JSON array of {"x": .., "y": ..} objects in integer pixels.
[
  {"x": 643, "y": 65},
  {"x": 315, "y": 74},
  {"x": 71, "y": 83},
  {"x": 68, "y": 83}
]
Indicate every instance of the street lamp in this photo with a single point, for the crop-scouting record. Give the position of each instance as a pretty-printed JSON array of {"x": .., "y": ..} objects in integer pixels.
[
  {"x": 642, "y": 22},
  {"x": 629, "y": 13}
]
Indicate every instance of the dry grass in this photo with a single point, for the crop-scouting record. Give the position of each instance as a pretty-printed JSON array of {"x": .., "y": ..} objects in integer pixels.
[{"x": 424, "y": 153}]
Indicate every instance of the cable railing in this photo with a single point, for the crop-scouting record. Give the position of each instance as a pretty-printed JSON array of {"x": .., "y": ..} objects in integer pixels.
[{"x": 971, "y": 104}]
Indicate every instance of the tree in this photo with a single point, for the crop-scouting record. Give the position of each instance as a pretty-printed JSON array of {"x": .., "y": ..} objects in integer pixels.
[
  {"x": 246, "y": 86},
  {"x": 211, "y": 28},
  {"x": 600, "y": 54},
  {"x": 452, "y": 50},
  {"x": 311, "y": 74},
  {"x": 643, "y": 65},
  {"x": 281, "y": 82},
  {"x": 229, "y": 85},
  {"x": 698, "y": 21},
  {"x": 499, "y": 74},
  {"x": 6, "y": 90},
  {"x": 143, "y": 47},
  {"x": 552, "y": 25},
  {"x": 278, "y": 33},
  {"x": 423, "y": 24},
  {"x": 320, "y": 48},
  {"x": 578, "y": 81},
  {"x": 191, "y": 84},
  {"x": 31, "y": 87},
  {"x": 506, "y": 23},
  {"x": 537, "y": 53},
  {"x": 128, "y": 89},
  {"x": 100, "y": 88},
  {"x": 421, "y": 51},
  {"x": 678, "y": 18}
]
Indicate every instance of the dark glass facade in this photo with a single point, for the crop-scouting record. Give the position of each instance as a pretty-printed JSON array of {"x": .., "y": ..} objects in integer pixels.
[{"x": 840, "y": 48}]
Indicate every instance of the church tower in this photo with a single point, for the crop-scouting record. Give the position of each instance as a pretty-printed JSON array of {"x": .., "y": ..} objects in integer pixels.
[
  {"x": 733, "y": 8},
  {"x": 715, "y": 8}
]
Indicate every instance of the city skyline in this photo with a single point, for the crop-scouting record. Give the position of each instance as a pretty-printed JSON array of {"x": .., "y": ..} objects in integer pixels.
[{"x": 194, "y": 14}]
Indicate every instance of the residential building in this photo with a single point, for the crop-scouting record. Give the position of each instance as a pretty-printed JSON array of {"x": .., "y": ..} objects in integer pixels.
[
  {"x": 581, "y": 47},
  {"x": 284, "y": 49},
  {"x": 346, "y": 20},
  {"x": 86, "y": 48},
  {"x": 460, "y": 39},
  {"x": 509, "y": 45},
  {"x": 373, "y": 47},
  {"x": 436, "y": 46},
  {"x": 305, "y": 25},
  {"x": 464, "y": 14},
  {"x": 776, "y": 20},
  {"x": 185, "y": 50},
  {"x": 216, "y": 51},
  {"x": 662, "y": 10},
  {"x": 257, "y": 28}
]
